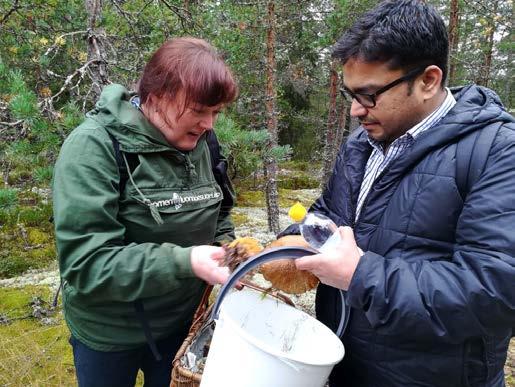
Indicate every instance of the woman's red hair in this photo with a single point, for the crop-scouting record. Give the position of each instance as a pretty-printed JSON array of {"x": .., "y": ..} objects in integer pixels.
[{"x": 190, "y": 66}]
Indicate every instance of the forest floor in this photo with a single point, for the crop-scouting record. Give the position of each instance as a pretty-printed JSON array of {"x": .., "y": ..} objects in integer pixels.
[{"x": 34, "y": 349}]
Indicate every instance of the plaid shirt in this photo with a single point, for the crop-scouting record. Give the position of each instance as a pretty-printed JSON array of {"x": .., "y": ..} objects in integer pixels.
[{"x": 378, "y": 159}]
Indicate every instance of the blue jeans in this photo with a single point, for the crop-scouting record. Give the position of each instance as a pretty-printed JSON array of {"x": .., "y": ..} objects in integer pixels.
[{"x": 119, "y": 369}]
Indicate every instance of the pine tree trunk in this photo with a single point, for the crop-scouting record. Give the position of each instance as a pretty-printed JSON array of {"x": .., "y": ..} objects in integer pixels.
[
  {"x": 270, "y": 164},
  {"x": 330, "y": 133},
  {"x": 484, "y": 76},
  {"x": 453, "y": 40},
  {"x": 96, "y": 48},
  {"x": 343, "y": 127}
]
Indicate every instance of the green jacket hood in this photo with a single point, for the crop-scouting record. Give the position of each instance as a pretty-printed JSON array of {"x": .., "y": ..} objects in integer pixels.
[{"x": 115, "y": 112}]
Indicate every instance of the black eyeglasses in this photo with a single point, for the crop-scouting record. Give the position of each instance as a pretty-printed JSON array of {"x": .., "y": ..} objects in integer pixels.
[{"x": 369, "y": 100}]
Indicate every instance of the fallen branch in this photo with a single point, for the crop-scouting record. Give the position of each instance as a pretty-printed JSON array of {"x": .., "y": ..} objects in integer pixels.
[
  {"x": 10, "y": 124},
  {"x": 33, "y": 247}
]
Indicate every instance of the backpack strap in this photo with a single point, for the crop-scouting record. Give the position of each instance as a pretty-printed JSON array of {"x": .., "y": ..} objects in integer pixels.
[
  {"x": 140, "y": 314},
  {"x": 132, "y": 160},
  {"x": 124, "y": 176},
  {"x": 471, "y": 155},
  {"x": 219, "y": 167}
]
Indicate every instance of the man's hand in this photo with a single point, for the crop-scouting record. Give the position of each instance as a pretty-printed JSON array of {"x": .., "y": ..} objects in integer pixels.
[
  {"x": 335, "y": 267},
  {"x": 205, "y": 262}
]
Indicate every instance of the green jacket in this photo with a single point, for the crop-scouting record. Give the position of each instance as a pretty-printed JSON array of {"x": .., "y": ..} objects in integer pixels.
[{"x": 111, "y": 249}]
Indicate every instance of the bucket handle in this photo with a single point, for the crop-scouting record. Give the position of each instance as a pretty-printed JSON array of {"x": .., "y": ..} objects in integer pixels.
[{"x": 273, "y": 254}]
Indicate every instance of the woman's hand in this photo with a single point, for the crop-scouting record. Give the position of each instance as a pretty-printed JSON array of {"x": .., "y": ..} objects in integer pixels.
[{"x": 205, "y": 262}]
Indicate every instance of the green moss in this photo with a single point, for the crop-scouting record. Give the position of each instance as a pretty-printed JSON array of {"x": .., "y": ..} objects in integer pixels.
[
  {"x": 15, "y": 302},
  {"x": 11, "y": 266},
  {"x": 36, "y": 236},
  {"x": 7, "y": 217},
  {"x": 250, "y": 183},
  {"x": 28, "y": 198},
  {"x": 250, "y": 199},
  {"x": 36, "y": 215},
  {"x": 32, "y": 353},
  {"x": 288, "y": 198},
  {"x": 298, "y": 180},
  {"x": 296, "y": 165},
  {"x": 19, "y": 176},
  {"x": 25, "y": 248},
  {"x": 239, "y": 219},
  {"x": 16, "y": 263}
]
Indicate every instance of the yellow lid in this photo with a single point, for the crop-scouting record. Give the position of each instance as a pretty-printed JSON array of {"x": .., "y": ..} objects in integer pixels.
[{"x": 297, "y": 212}]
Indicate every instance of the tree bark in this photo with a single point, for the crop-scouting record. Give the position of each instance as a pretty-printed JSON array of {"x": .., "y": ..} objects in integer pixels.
[
  {"x": 330, "y": 133},
  {"x": 484, "y": 75},
  {"x": 343, "y": 129},
  {"x": 96, "y": 48},
  {"x": 270, "y": 164},
  {"x": 453, "y": 40}
]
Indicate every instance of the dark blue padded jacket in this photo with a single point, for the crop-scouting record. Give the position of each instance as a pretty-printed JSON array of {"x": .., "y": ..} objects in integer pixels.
[{"x": 432, "y": 301}]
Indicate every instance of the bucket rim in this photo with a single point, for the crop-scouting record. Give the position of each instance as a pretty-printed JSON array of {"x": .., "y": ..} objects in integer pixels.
[{"x": 277, "y": 353}]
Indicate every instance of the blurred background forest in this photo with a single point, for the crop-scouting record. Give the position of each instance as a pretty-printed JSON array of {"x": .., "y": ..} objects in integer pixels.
[{"x": 56, "y": 55}]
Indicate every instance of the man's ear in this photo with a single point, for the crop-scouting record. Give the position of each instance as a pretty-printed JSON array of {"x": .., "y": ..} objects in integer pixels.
[{"x": 430, "y": 81}]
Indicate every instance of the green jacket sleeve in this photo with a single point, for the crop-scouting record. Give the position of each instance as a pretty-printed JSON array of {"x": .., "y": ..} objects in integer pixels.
[{"x": 92, "y": 256}]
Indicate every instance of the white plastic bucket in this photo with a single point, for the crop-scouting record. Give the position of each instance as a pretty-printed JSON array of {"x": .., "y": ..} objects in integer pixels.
[{"x": 261, "y": 342}]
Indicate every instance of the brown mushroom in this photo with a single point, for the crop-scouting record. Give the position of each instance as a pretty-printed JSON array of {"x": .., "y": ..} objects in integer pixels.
[{"x": 283, "y": 274}]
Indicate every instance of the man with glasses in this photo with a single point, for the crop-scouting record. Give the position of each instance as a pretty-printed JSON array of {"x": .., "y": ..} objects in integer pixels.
[{"x": 425, "y": 193}]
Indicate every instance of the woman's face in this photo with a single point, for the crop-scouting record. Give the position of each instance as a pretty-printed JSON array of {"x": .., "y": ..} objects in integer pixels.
[{"x": 181, "y": 126}]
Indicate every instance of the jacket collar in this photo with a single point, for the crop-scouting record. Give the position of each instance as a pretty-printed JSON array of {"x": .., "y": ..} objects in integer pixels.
[{"x": 131, "y": 128}]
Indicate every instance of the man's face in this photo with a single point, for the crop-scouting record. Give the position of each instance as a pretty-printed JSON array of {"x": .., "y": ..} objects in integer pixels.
[{"x": 397, "y": 109}]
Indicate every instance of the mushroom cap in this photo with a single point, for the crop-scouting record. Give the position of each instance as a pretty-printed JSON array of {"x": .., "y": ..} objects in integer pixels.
[
  {"x": 283, "y": 274},
  {"x": 251, "y": 245}
]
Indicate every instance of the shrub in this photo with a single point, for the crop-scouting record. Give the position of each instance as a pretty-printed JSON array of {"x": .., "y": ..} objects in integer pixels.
[
  {"x": 43, "y": 174},
  {"x": 246, "y": 149},
  {"x": 8, "y": 199}
]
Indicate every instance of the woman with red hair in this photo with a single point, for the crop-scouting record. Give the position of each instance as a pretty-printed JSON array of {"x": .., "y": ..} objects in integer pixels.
[{"x": 138, "y": 213}]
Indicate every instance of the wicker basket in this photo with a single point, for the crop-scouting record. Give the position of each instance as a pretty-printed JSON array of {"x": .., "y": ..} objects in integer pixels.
[{"x": 183, "y": 377}]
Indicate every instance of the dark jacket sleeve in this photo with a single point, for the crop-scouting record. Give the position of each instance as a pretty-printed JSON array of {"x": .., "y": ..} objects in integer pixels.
[{"x": 471, "y": 294}]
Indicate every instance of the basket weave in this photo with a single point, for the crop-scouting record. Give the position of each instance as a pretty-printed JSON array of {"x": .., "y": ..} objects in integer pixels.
[{"x": 182, "y": 377}]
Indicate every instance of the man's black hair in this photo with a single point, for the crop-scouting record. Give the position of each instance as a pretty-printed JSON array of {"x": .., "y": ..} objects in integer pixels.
[{"x": 405, "y": 34}]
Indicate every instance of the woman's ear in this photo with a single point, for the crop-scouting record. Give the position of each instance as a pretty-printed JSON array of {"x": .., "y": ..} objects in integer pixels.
[{"x": 151, "y": 102}]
